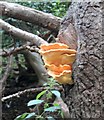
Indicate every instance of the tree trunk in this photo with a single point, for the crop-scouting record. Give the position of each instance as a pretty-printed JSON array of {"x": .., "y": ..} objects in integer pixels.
[{"x": 85, "y": 99}]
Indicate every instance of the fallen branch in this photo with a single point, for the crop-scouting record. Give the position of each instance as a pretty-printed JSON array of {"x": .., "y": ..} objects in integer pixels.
[
  {"x": 23, "y": 35},
  {"x": 28, "y": 91},
  {"x": 36, "y": 17}
]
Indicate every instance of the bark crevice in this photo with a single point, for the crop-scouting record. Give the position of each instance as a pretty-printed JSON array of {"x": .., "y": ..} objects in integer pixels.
[{"x": 85, "y": 98}]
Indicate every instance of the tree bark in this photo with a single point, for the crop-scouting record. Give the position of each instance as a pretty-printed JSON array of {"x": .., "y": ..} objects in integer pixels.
[
  {"x": 36, "y": 17},
  {"x": 85, "y": 99},
  {"x": 34, "y": 60},
  {"x": 67, "y": 33}
]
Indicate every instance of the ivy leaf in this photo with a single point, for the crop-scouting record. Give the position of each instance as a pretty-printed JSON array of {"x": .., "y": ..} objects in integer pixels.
[
  {"x": 40, "y": 94},
  {"x": 52, "y": 109},
  {"x": 30, "y": 115},
  {"x": 34, "y": 102},
  {"x": 56, "y": 93},
  {"x": 21, "y": 117}
]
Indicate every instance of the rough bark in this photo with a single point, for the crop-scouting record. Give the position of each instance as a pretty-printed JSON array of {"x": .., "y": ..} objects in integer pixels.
[
  {"x": 85, "y": 99},
  {"x": 67, "y": 33},
  {"x": 36, "y": 17}
]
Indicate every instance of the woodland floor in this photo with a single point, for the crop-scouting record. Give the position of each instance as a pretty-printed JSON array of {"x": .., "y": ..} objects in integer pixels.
[{"x": 16, "y": 106}]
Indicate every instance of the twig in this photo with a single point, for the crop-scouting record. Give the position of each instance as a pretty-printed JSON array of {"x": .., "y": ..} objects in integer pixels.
[
  {"x": 16, "y": 50},
  {"x": 6, "y": 74},
  {"x": 27, "y": 91}
]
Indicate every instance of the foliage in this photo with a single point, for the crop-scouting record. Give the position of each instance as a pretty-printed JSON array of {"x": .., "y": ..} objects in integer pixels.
[
  {"x": 56, "y": 8},
  {"x": 40, "y": 102}
]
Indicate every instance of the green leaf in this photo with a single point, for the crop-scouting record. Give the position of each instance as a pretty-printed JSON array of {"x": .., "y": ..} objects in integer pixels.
[
  {"x": 56, "y": 104},
  {"x": 50, "y": 118},
  {"x": 46, "y": 105},
  {"x": 51, "y": 79},
  {"x": 45, "y": 84},
  {"x": 30, "y": 115},
  {"x": 52, "y": 109},
  {"x": 56, "y": 93},
  {"x": 21, "y": 117},
  {"x": 40, "y": 94},
  {"x": 34, "y": 102},
  {"x": 49, "y": 95}
]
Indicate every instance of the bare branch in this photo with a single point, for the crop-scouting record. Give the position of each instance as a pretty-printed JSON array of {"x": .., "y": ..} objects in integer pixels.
[
  {"x": 17, "y": 50},
  {"x": 23, "y": 35},
  {"x": 36, "y": 17},
  {"x": 29, "y": 91}
]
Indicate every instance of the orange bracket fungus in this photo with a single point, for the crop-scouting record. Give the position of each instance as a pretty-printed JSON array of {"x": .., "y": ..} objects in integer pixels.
[{"x": 58, "y": 59}]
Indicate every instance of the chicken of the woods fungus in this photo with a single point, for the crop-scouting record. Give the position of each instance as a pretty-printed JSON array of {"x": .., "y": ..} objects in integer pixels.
[{"x": 58, "y": 59}]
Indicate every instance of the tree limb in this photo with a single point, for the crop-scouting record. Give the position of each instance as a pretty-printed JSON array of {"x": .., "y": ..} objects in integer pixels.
[
  {"x": 28, "y": 91},
  {"x": 36, "y": 17},
  {"x": 23, "y": 35},
  {"x": 34, "y": 59}
]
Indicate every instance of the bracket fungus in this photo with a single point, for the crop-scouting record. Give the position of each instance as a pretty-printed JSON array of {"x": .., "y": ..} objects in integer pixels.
[{"x": 58, "y": 59}]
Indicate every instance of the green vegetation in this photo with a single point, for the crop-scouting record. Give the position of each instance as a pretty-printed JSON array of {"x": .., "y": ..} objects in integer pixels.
[
  {"x": 43, "y": 104},
  {"x": 58, "y": 9}
]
